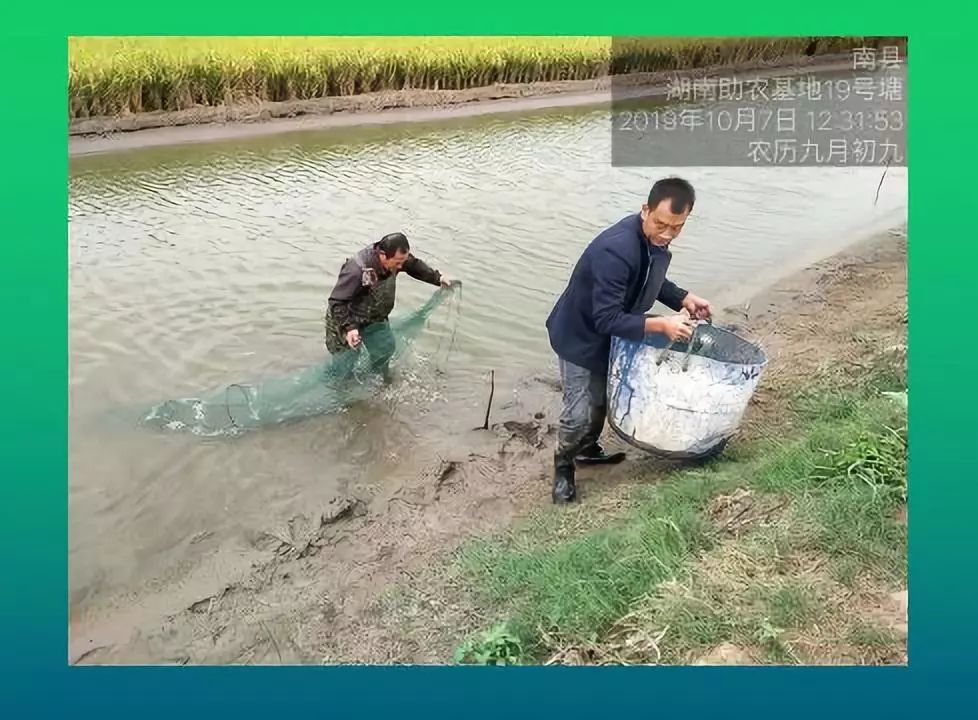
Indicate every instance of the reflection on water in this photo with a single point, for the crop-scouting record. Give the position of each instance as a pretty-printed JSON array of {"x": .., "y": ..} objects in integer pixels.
[{"x": 195, "y": 267}]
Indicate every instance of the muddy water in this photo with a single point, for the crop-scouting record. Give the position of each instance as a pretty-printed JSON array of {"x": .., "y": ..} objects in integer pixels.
[{"x": 195, "y": 267}]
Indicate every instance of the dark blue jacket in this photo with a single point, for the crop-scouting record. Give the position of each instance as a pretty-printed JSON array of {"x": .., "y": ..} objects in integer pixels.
[{"x": 616, "y": 281}]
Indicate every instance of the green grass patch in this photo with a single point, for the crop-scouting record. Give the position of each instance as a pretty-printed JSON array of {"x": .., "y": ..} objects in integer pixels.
[
  {"x": 866, "y": 635},
  {"x": 792, "y": 605},
  {"x": 578, "y": 587},
  {"x": 835, "y": 488}
]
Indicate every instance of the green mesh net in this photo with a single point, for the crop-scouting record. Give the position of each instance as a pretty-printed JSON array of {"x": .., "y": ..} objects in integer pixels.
[{"x": 322, "y": 389}]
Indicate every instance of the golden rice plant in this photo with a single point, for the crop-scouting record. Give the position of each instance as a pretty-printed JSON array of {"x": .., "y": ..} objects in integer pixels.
[{"x": 111, "y": 76}]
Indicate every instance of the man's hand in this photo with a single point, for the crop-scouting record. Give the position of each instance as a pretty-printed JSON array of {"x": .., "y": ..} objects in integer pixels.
[
  {"x": 674, "y": 327},
  {"x": 446, "y": 283},
  {"x": 697, "y": 307},
  {"x": 353, "y": 338},
  {"x": 678, "y": 327}
]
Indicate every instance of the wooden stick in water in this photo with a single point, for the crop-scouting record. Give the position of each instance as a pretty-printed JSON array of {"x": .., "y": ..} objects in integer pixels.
[{"x": 492, "y": 390}]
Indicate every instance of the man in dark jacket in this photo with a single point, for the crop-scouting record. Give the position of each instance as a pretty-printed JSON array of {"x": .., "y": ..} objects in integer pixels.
[
  {"x": 362, "y": 299},
  {"x": 617, "y": 280}
]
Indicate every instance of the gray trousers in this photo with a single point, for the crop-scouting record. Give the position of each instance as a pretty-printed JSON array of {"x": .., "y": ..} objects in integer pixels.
[{"x": 584, "y": 411}]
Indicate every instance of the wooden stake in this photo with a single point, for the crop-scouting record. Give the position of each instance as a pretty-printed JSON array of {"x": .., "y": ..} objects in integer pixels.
[{"x": 492, "y": 390}]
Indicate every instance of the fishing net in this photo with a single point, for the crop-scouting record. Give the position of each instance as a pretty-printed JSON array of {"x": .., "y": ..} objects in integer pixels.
[{"x": 325, "y": 388}]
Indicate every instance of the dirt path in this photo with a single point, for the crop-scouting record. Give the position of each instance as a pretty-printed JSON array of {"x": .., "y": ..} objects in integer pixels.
[
  {"x": 363, "y": 583},
  {"x": 211, "y": 124}
]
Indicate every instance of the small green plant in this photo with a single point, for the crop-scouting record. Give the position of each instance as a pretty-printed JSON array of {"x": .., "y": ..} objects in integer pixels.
[
  {"x": 771, "y": 639},
  {"x": 495, "y": 646},
  {"x": 768, "y": 634}
]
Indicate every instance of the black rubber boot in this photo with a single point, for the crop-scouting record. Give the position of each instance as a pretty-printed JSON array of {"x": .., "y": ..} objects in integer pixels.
[
  {"x": 564, "y": 489},
  {"x": 595, "y": 455}
]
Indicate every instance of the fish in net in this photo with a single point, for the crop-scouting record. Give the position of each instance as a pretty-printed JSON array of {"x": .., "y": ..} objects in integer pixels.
[{"x": 321, "y": 389}]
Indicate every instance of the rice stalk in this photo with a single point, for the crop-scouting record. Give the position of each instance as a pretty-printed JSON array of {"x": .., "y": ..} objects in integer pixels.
[{"x": 114, "y": 76}]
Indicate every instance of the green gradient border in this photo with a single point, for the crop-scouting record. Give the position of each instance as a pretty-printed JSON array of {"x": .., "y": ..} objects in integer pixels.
[{"x": 943, "y": 433}]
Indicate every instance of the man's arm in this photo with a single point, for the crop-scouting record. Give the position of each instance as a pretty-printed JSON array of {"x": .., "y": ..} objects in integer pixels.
[
  {"x": 671, "y": 295},
  {"x": 420, "y": 270},
  {"x": 608, "y": 298},
  {"x": 347, "y": 287}
]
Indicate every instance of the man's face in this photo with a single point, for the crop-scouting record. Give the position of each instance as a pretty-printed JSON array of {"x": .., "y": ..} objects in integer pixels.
[
  {"x": 393, "y": 263},
  {"x": 660, "y": 224}
]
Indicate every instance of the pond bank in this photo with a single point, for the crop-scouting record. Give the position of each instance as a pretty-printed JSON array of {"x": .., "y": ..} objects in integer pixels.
[
  {"x": 372, "y": 583},
  {"x": 213, "y": 124}
]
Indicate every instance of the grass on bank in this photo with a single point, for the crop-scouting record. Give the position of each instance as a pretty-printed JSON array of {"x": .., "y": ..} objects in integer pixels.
[
  {"x": 111, "y": 76},
  {"x": 770, "y": 548}
]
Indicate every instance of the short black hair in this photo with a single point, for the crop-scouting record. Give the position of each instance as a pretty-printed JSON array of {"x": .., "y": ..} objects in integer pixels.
[
  {"x": 676, "y": 189},
  {"x": 393, "y": 243}
]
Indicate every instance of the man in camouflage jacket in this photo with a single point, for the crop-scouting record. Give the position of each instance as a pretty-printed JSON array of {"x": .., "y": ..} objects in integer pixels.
[{"x": 364, "y": 294}]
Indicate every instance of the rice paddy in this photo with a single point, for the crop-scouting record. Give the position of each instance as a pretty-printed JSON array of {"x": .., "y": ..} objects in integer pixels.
[{"x": 113, "y": 76}]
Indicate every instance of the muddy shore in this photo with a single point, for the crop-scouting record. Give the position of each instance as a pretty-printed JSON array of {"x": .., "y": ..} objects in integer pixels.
[
  {"x": 212, "y": 124},
  {"x": 360, "y": 581}
]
